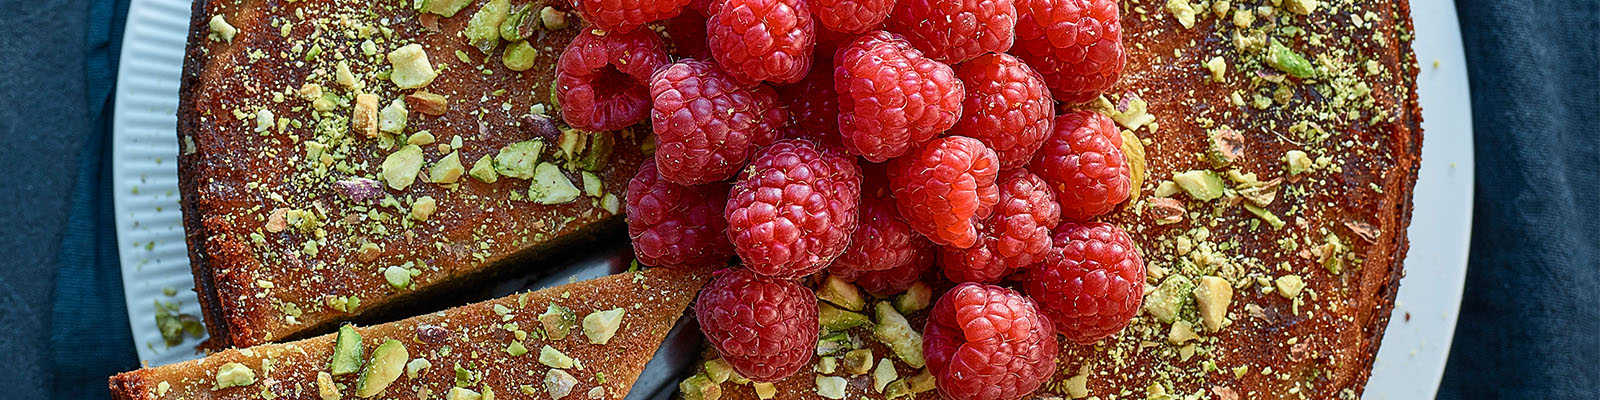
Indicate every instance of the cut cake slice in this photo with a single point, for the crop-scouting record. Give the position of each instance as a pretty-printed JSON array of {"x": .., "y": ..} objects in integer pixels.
[{"x": 512, "y": 347}]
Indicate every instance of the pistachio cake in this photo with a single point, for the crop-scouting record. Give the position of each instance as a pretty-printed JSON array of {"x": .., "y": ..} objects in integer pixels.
[
  {"x": 1274, "y": 147},
  {"x": 339, "y": 156},
  {"x": 584, "y": 340}
]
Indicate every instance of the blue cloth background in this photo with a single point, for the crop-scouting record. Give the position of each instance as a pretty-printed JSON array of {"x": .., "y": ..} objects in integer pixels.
[{"x": 1530, "y": 322}]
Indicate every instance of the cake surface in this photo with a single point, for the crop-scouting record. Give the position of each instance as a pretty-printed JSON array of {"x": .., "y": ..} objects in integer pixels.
[
  {"x": 300, "y": 213},
  {"x": 1311, "y": 245},
  {"x": 493, "y": 348}
]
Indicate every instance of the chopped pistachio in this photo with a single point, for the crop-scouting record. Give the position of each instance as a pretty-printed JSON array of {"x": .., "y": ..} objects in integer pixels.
[
  {"x": 428, "y": 103},
  {"x": 765, "y": 390},
  {"x": 1265, "y": 215},
  {"x": 519, "y": 56},
  {"x": 416, "y": 367},
  {"x": 508, "y": 28},
  {"x": 233, "y": 375},
  {"x": 893, "y": 330},
  {"x": 446, "y": 8},
  {"x": 558, "y": 321},
  {"x": 916, "y": 298},
  {"x": 828, "y": 365},
  {"x": 550, "y": 186},
  {"x": 1287, "y": 60},
  {"x": 388, "y": 361},
  {"x": 1135, "y": 115},
  {"x": 841, "y": 293},
  {"x": 1182, "y": 331},
  {"x": 1213, "y": 295},
  {"x": 399, "y": 277},
  {"x": 519, "y": 160},
  {"x": 221, "y": 29},
  {"x": 884, "y": 374},
  {"x": 461, "y": 393},
  {"x": 392, "y": 118},
  {"x": 326, "y": 389},
  {"x": 1168, "y": 299},
  {"x": 1203, "y": 185},
  {"x": 423, "y": 208},
  {"x": 553, "y": 358},
  {"x": 346, "y": 351},
  {"x": 1218, "y": 67},
  {"x": 834, "y": 319},
  {"x": 483, "y": 30},
  {"x": 832, "y": 343},
  {"x": 1133, "y": 152},
  {"x": 552, "y": 18},
  {"x": 1183, "y": 11},
  {"x": 858, "y": 361},
  {"x": 483, "y": 169},
  {"x": 1225, "y": 145},
  {"x": 401, "y": 167},
  {"x": 1298, "y": 161},
  {"x": 558, "y": 384},
  {"x": 411, "y": 67},
  {"x": 342, "y": 75},
  {"x": 516, "y": 348},
  {"x": 592, "y": 185},
  {"x": 1289, "y": 286},
  {"x": 699, "y": 387},
  {"x": 921, "y": 382},
  {"x": 447, "y": 170},
  {"x": 1302, "y": 7},
  {"x": 719, "y": 370},
  {"x": 600, "y": 326},
  {"x": 611, "y": 203},
  {"x": 831, "y": 387}
]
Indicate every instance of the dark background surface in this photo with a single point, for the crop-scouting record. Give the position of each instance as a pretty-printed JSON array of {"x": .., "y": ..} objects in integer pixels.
[{"x": 1529, "y": 327}]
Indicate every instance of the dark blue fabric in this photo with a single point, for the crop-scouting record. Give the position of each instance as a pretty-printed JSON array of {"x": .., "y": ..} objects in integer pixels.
[
  {"x": 1530, "y": 319},
  {"x": 1530, "y": 322}
]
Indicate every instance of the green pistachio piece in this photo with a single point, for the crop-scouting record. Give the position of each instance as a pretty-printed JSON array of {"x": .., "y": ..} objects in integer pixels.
[
  {"x": 1212, "y": 296},
  {"x": 484, "y": 170},
  {"x": 1203, "y": 185},
  {"x": 388, "y": 361},
  {"x": 832, "y": 343},
  {"x": 699, "y": 387},
  {"x": 558, "y": 321},
  {"x": 398, "y": 277},
  {"x": 392, "y": 118},
  {"x": 1287, "y": 60},
  {"x": 221, "y": 29},
  {"x": 483, "y": 30},
  {"x": 346, "y": 351},
  {"x": 411, "y": 67},
  {"x": 508, "y": 28},
  {"x": 553, "y": 358},
  {"x": 858, "y": 361},
  {"x": 916, "y": 298},
  {"x": 401, "y": 167},
  {"x": 518, "y": 160},
  {"x": 446, "y": 8},
  {"x": 558, "y": 384},
  {"x": 1169, "y": 298},
  {"x": 841, "y": 293},
  {"x": 893, "y": 330},
  {"x": 831, "y": 387},
  {"x": 765, "y": 390},
  {"x": 1133, "y": 152},
  {"x": 834, "y": 319},
  {"x": 1298, "y": 162},
  {"x": 447, "y": 170},
  {"x": 234, "y": 375},
  {"x": 551, "y": 186},
  {"x": 519, "y": 56},
  {"x": 600, "y": 326},
  {"x": 884, "y": 374}
]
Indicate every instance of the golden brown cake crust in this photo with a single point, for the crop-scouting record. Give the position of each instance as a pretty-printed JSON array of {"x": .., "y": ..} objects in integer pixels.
[
  {"x": 260, "y": 283},
  {"x": 474, "y": 337},
  {"x": 1359, "y": 123}
]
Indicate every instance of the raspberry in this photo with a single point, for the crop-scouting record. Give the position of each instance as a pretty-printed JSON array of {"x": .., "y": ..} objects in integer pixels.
[
  {"x": 1007, "y": 107},
  {"x": 675, "y": 225},
  {"x": 1075, "y": 44},
  {"x": 763, "y": 40},
  {"x": 792, "y": 211},
  {"x": 813, "y": 108},
  {"x": 601, "y": 78},
  {"x": 686, "y": 35},
  {"x": 891, "y": 98},
  {"x": 953, "y": 31},
  {"x": 706, "y": 123},
  {"x": 945, "y": 188},
  {"x": 1092, "y": 285},
  {"x": 1083, "y": 162},
  {"x": 851, "y": 16},
  {"x": 765, "y": 327},
  {"x": 988, "y": 342},
  {"x": 620, "y": 16},
  {"x": 1016, "y": 236},
  {"x": 885, "y": 256}
]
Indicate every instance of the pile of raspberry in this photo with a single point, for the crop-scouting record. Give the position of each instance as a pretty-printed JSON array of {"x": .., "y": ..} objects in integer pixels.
[{"x": 876, "y": 141}]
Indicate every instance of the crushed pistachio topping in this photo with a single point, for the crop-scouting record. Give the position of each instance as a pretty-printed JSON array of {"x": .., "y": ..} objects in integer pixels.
[
  {"x": 600, "y": 326},
  {"x": 234, "y": 375},
  {"x": 221, "y": 29},
  {"x": 412, "y": 70}
]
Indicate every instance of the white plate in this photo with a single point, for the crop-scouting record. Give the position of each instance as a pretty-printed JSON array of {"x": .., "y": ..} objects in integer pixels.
[{"x": 152, "y": 249}]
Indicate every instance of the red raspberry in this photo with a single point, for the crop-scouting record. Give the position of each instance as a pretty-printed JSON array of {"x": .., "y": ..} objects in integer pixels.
[
  {"x": 706, "y": 123},
  {"x": 601, "y": 79},
  {"x": 792, "y": 211},
  {"x": 765, "y": 327},
  {"x": 1092, "y": 285},
  {"x": 945, "y": 188},
  {"x": 674, "y": 225},
  {"x": 851, "y": 16},
  {"x": 686, "y": 35},
  {"x": 813, "y": 108},
  {"x": 885, "y": 256},
  {"x": 988, "y": 342},
  {"x": 763, "y": 40},
  {"x": 1007, "y": 107},
  {"x": 891, "y": 98},
  {"x": 620, "y": 16},
  {"x": 953, "y": 31},
  {"x": 1075, "y": 44},
  {"x": 1016, "y": 236},
  {"x": 1083, "y": 162}
]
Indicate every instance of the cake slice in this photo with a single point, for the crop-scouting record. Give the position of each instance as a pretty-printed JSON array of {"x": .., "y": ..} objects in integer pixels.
[
  {"x": 1272, "y": 213},
  {"x": 340, "y": 157},
  {"x": 584, "y": 340}
]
